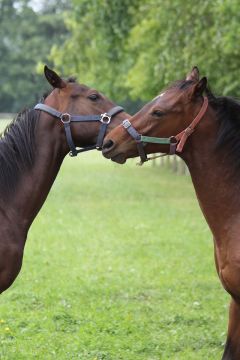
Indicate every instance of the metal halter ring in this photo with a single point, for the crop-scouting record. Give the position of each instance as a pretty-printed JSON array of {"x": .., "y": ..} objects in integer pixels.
[
  {"x": 65, "y": 118},
  {"x": 105, "y": 118}
]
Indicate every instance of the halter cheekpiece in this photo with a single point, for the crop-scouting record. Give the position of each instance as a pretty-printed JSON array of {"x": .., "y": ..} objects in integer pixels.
[
  {"x": 176, "y": 143},
  {"x": 66, "y": 119}
]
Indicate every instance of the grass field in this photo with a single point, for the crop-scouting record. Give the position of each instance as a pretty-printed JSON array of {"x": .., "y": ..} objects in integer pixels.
[
  {"x": 118, "y": 265},
  {"x": 3, "y": 124}
]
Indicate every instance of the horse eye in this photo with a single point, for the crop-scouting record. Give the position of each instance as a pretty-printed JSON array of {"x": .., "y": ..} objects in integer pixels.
[
  {"x": 157, "y": 113},
  {"x": 93, "y": 97}
]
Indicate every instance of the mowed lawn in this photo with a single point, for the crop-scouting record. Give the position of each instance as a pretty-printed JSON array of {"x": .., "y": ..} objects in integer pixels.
[{"x": 118, "y": 265}]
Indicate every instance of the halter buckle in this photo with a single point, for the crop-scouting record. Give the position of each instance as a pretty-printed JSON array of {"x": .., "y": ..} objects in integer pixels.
[
  {"x": 126, "y": 124},
  {"x": 105, "y": 118},
  {"x": 65, "y": 118},
  {"x": 173, "y": 140}
]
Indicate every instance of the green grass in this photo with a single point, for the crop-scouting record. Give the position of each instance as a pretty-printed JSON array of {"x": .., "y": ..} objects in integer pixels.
[
  {"x": 3, "y": 124},
  {"x": 118, "y": 265}
]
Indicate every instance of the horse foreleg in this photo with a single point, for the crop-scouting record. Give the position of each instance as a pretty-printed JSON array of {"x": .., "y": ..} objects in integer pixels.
[
  {"x": 232, "y": 347},
  {"x": 10, "y": 264}
]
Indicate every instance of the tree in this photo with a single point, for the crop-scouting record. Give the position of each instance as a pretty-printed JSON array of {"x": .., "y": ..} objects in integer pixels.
[
  {"x": 26, "y": 37},
  {"x": 170, "y": 37},
  {"x": 95, "y": 48},
  {"x": 132, "y": 49}
]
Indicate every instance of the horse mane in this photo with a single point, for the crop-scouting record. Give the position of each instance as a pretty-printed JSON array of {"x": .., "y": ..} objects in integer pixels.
[
  {"x": 17, "y": 150},
  {"x": 72, "y": 79},
  {"x": 17, "y": 147},
  {"x": 228, "y": 136}
]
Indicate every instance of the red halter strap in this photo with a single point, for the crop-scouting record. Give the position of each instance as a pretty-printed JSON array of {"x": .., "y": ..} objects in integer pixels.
[{"x": 183, "y": 135}]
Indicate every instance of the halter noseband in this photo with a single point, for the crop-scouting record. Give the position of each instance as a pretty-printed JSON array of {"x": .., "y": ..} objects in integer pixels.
[
  {"x": 66, "y": 119},
  {"x": 176, "y": 142}
]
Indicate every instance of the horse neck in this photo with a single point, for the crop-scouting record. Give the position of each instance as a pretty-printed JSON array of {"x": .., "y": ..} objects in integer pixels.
[
  {"x": 35, "y": 184},
  {"x": 215, "y": 187}
]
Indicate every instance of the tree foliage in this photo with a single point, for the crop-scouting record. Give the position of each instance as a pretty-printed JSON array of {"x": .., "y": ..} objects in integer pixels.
[
  {"x": 129, "y": 49},
  {"x": 95, "y": 48},
  {"x": 134, "y": 48},
  {"x": 26, "y": 37},
  {"x": 172, "y": 37}
]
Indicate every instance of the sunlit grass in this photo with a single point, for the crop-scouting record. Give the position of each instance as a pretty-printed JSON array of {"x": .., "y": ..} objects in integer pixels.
[
  {"x": 118, "y": 265},
  {"x": 3, "y": 124}
]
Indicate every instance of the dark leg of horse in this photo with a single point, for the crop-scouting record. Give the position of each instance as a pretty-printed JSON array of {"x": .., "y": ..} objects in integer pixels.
[
  {"x": 232, "y": 347},
  {"x": 10, "y": 265}
]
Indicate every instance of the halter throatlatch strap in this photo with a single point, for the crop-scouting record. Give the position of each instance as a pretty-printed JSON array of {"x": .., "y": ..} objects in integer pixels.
[
  {"x": 105, "y": 121},
  {"x": 176, "y": 143},
  {"x": 66, "y": 119},
  {"x": 182, "y": 136}
]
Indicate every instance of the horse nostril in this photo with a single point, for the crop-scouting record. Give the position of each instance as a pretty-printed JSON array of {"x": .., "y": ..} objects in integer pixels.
[{"x": 109, "y": 144}]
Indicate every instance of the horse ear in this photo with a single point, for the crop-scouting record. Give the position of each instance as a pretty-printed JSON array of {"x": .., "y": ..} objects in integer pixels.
[
  {"x": 193, "y": 75},
  {"x": 199, "y": 88},
  {"x": 54, "y": 79}
]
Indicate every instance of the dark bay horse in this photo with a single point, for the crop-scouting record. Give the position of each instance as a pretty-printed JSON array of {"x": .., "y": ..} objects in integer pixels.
[
  {"x": 204, "y": 130},
  {"x": 32, "y": 149}
]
